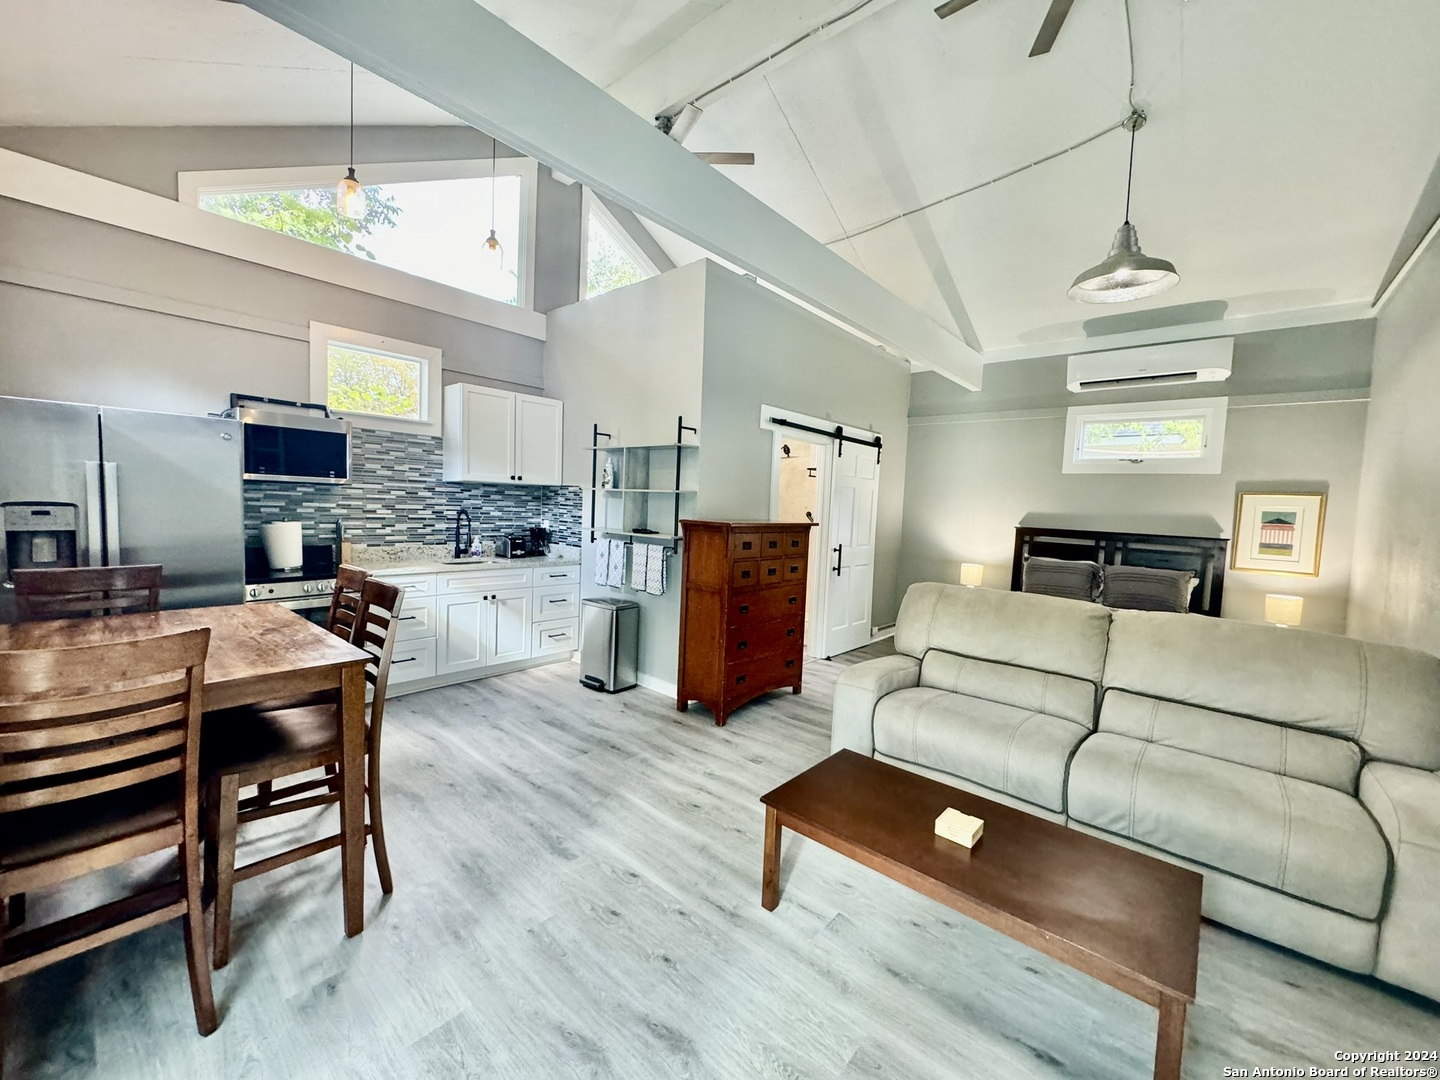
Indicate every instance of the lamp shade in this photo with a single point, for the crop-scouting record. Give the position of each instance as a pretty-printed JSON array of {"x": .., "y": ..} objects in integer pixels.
[
  {"x": 1127, "y": 274},
  {"x": 1283, "y": 610},
  {"x": 972, "y": 574}
]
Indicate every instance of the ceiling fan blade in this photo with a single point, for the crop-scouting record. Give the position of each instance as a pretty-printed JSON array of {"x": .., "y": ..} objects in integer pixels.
[
  {"x": 1050, "y": 28},
  {"x": 724, "y": 157},
  {"x": 950, "y": 7}
]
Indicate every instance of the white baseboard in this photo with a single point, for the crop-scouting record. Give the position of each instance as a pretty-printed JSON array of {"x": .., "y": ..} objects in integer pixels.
[
  {"x": 660, "y": 686},
  {"x": 880, "y": 633}
]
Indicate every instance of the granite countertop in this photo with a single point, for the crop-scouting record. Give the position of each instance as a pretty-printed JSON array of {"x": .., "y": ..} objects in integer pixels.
[{"x": 429, "y": 559}]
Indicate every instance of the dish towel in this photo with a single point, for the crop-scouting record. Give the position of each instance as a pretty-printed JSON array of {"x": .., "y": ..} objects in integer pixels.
[
  {"x": 655, "y": 569},
  {"x": 602, "y": 561},
  {"x": 639, "y": 560},
  {"x": 616, "y": 576}
]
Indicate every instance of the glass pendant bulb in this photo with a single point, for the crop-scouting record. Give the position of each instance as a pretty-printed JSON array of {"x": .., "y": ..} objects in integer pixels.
[
  {"x": 493, "y": 251},
  {"x": 350, "y": 197}
]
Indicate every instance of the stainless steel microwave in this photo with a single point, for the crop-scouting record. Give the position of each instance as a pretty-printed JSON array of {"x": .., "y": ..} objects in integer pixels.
[{"x": 294, "y": 443}]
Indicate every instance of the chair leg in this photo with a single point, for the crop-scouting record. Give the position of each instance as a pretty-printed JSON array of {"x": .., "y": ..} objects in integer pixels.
[
  {"x": 201, "y": 992},
  {"x": 377, "y": 828},
  {"x": 227, "y": 814}
]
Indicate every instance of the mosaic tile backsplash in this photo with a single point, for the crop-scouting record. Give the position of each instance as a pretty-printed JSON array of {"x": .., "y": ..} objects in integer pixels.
[{"x": 395, "y": 496}]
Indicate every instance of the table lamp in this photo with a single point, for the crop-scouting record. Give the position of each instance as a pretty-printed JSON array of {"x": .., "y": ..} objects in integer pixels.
[
  {"x": 1283, "y": 610},
  {"x": 971, "y": 574}
]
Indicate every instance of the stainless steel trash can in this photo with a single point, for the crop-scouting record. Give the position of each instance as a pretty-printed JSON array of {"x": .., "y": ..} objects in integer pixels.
[{"x": 609, "y": 644}]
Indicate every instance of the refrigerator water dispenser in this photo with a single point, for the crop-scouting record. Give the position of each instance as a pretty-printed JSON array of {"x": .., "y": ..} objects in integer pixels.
[{"x": 39, "y": 535}]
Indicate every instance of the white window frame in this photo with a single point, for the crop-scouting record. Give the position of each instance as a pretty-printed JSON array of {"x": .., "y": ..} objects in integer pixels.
[
  {"x": 192, "y": 185},
  {"x": 1212, "y": 409},
  {"x": 589, "y": 204},
  {"x": 321, "y": 337}
]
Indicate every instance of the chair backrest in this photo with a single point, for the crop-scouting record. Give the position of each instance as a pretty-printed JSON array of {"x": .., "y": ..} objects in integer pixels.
[
  {"x": 83, "y": 592},
  {"x": 82, "y": 721},
  {"x": 345, "y": 601},
  {"x": 375, "y": 633}
]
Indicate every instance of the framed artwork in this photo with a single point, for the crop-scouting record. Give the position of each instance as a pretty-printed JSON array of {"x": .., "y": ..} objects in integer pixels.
[{"x": 1278, "y": 533}]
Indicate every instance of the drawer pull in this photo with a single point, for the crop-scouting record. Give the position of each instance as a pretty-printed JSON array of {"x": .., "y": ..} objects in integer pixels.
[
  {"x": 790, "y": 632},
  {"x": 743, "y": 645},
  {"x": 559, "y": 575},
  {"x": 789, "y": 663},
  {"x": 408, "y": 618},
  {"x": 771, "y": 572},
  {"x": 744, "y": 609},
  {"x": 746, "y": 545},
  {"x": 793, "y": 600},
  {"x": 774, "y": 544},
  {"x": 744, "y": 573},
  {"x": 557, "y": 600},
  {"x": 794, "y": 568},
  {"x": 557, "y": 635},
  {"x": 739, "y": 679},
  {"x": 407, "y": 660}
]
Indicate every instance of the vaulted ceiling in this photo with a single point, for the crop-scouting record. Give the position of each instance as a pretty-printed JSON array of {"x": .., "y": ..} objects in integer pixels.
[{"x": 1288, "y": 146}]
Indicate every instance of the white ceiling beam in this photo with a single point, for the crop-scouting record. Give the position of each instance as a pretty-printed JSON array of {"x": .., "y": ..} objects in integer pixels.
[
  {"x": 460, "y": 57},
  {"x": 731, "y": 42}
]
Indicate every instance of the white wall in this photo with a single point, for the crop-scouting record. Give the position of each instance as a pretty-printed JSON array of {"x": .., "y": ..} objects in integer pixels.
[
  {"x": 630, "y": 361},
  {"x": 1396, "y": 593},
  {"x": 761, "y": 349}
]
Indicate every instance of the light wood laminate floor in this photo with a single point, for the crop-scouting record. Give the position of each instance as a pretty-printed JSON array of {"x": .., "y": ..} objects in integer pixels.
[{"x": 578, "y": 895}]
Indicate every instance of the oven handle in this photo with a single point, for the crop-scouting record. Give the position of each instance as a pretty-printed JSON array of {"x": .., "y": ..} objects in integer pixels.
[{"x": 302, "y": 604}]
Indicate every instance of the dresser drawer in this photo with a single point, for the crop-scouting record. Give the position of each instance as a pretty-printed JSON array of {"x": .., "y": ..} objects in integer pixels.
[
  {"x": 763, "y": 672},
  {"x": 772, "y": 571},
  {"x": 417, "y": 618},
  {"x": 412, "y": 660},
  {"x": 793, "y": 569},
  {"x": 795, "y": 543},
  {"x": 556, "y": 575},
  {"x": 765, "y": 605},
  {"x": 746, "y": 545},
  {"x": 557, "y": 602},
  {"x": 761, "y": 639},
  {"x": 745, "y": 574}
]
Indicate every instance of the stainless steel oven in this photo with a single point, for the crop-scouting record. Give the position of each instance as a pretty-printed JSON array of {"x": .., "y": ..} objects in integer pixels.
[{"x": 305, "y": 591}]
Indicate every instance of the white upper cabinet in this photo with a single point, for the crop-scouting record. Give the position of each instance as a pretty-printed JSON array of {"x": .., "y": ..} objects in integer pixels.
[{"x": 496, "y": 437}]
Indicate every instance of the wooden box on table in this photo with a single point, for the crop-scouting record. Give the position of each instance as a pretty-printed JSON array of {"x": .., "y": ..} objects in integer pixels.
[{"x": 742, "y": 611}]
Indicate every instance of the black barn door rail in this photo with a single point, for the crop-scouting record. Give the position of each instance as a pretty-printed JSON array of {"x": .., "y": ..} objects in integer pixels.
[{"x": 838, "y": 434}]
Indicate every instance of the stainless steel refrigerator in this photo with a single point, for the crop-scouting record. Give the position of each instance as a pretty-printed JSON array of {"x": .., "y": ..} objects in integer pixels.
[{"x": 135, "y": 487}]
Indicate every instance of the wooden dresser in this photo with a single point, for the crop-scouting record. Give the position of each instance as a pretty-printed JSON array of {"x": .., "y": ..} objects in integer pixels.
[{"x": 742, "y": 612}]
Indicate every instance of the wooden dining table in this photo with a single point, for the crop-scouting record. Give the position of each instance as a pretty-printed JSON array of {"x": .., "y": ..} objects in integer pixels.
[{"x": 258, "y": 652}]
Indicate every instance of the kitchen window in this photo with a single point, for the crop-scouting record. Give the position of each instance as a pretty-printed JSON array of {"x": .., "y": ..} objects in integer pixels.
[
  {"x": 1151, "y": 437},
  {"x": 375, "y": 381},
  {"x": 610, "y": 256},
  {"x": 427, "y": 219}
]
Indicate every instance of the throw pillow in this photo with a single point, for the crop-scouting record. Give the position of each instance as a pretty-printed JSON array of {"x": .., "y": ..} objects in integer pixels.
[
  {"x": 1145, "y": 588},
  {"x": 1070, "y": 578}
]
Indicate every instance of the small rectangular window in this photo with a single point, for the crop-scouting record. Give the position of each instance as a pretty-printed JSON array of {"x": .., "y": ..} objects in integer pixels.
[
  {"x": 375, "y": 381},
  {"x": 1157, "y": 436}
]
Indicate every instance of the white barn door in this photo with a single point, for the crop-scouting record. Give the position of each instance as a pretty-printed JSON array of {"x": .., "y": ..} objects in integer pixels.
[{"x": 854, "y": 489}]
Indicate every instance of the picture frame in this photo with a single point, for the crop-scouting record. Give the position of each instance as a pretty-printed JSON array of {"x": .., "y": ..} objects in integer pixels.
[{"x": 1278, "y": 533}]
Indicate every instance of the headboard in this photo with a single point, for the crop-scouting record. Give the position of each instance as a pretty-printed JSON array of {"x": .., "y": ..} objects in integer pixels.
[{"x": 1205, "y": 555}]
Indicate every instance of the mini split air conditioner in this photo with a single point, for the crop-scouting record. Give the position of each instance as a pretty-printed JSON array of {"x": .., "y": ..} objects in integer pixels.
[{"x": 1151, "y": 365}]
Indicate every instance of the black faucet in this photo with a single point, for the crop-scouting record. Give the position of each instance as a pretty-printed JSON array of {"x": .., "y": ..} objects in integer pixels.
[{"x": 463, "y": 515}]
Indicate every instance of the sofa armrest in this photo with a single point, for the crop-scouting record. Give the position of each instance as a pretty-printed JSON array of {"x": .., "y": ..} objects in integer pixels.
[
  {"x": 1406, "y": 803},
  {"x": 858, "y": 690}
]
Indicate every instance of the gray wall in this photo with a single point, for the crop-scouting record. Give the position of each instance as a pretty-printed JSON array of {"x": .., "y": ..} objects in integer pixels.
[
  {"x": 975, "y": 473},
  {"x": 1396, "y": 594},
  {"x": 761, "y": 349},
  {"x": 630, "y": 361}
]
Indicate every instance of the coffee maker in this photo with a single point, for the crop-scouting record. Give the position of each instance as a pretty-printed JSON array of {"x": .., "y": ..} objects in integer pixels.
[
  {"x": 539, "y": 540},
  {"x": 40, "y": 535}
]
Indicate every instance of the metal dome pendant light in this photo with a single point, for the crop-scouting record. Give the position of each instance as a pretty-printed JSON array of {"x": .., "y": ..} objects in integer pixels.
[
  {"x": 494, "y": 250},
  {"x": 1128, "y": 273},
  {"x": 349, "y": 195}
]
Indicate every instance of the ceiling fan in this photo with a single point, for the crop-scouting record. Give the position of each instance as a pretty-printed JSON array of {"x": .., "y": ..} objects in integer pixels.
[
  {"x": 678, "y": 125},
  {"x": 1049, "y": 29}
]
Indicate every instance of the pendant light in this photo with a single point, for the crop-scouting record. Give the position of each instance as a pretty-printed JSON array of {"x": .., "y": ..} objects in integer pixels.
[
  {"x": 494, "y": 251},
  {"x": 1128, "y": 274},
  {"x": 349, "y": 195}
]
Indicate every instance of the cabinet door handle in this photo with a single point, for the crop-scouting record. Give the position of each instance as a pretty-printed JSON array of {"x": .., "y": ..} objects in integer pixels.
[
  {"x": 408, "y": 618},
  {"x": 407, "y": 660},
  {"x": 558, "y": 600}
]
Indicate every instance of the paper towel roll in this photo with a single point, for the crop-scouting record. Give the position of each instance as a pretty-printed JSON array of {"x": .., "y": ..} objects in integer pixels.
[{"x": 283, "y": 547}]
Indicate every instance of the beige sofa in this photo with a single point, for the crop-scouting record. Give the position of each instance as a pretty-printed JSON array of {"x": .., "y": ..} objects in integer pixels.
[{"x": 1296, "y": 771}]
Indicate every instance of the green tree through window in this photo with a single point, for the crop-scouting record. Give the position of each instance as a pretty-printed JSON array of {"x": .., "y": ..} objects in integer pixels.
[
  {"x": 372, "y": 383},
  {"x": 309, "y": 214}
]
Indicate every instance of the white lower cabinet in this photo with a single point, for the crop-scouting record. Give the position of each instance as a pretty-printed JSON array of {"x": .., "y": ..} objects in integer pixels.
[{"x": 471, "y": 621}]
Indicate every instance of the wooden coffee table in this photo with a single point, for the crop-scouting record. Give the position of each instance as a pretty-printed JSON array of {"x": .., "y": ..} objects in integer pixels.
[{"x": 1122, "y": 917}]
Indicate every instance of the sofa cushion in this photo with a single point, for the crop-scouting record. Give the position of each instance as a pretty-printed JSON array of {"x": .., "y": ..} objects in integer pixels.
[
  {"x": 1303, "y": 839},
  {"x": 1025, "y": 688},
  {"x": 1018, "y": 751},
  {"x": 1046, "y": 633},
  {"x": 1384, "y": 697},
  {"x": 1073, "y": 579},
  {"x": 1277, "y": 748}
]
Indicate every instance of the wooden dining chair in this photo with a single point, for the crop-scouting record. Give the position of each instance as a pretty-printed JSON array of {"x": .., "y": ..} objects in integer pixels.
[
  {"x": 345, "y": 600},
  {"x": 99, "y": 764},
  {"x": 86, "y": 591},
  {"x": 256, "y": 745}
]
